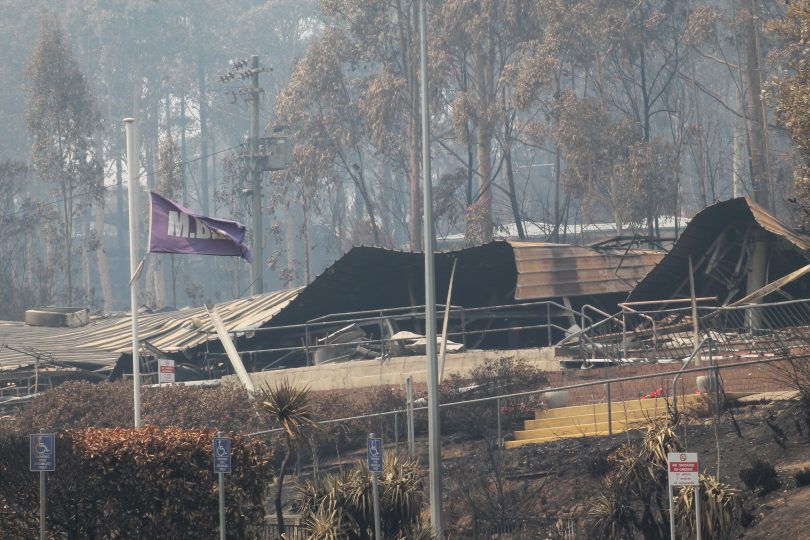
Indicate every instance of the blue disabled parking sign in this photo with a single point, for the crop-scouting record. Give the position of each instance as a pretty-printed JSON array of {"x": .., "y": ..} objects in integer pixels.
[
  {"x": 43, "y": 452},
  {"x": 375, "y": 454},
  {"x": 222, "y": 455}
]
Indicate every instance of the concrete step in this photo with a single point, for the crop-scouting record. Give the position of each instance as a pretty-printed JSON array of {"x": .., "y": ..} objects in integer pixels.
[
  {"x": 520, "y": 442},
  {"x": 618, "y": 414},
  {"x": 588, "y": 428},
  {"x": 634, "y": 404},
  {"x": 592, "y": 420}
]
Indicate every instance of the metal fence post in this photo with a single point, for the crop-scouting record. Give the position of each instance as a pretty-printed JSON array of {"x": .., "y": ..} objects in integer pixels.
[
  {"x": 409, "y": 408},
  {"x": 610, "y": 410},
  {"x": 463, "y": 330},
  {"x": 396, "y": 431},
  {"x": 624, "y": 336},
  {"x": 382, "y": 336},
  {"x": 306, "y": 346},
  {"x": 548, "y": 323}
]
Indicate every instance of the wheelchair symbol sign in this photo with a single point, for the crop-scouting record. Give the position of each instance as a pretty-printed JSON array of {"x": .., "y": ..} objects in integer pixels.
[
  {"x": 375, "y": 454},
  {"x": 222, "y": 455},
  {"x": 43, "y": 452}
]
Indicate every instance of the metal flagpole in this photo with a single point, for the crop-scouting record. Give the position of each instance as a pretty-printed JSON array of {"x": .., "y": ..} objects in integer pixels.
[
  {"x": 434, "y": 430},
  {"x": 133, "y": 168}
]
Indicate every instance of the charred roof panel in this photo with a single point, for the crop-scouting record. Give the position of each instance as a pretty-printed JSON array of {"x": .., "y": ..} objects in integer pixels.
[
  {"x": 102, "y": 342},
  {"x": 705, "y": 231},
  {"x": 556, "y": 270}
]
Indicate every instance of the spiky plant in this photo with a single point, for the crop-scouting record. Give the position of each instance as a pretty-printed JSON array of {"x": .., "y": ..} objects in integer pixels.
[
  {"x": 638, "y": 483},
  {"x": 720, "y": 508},
  {"x": 612, "y": 515},
  {"x": 291, "y": 408},
  {"x": 325, "y": 523},
  {"x": 345, "y": 501}
]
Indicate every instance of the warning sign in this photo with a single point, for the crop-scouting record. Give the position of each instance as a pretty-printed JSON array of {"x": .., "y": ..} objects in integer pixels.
[
  {"x": 165, "y": 371},
  {"x": 683, "y": 468}
]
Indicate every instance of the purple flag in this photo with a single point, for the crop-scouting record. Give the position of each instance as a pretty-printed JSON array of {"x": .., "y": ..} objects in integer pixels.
[{"x": 175, "y": 229}]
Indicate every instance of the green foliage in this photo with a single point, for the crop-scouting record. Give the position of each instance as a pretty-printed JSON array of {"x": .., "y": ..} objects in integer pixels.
[
  {"x": 127, "y": 483},
  {"x": 341, "y": 507},
  {"x": 761, "y": 477}
]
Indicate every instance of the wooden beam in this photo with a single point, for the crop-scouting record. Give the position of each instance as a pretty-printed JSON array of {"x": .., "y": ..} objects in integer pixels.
[{"x": 773, "y": 286}]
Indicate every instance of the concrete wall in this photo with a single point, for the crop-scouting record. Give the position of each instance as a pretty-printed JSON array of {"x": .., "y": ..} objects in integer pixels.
[{"x": 394, "y": 371}]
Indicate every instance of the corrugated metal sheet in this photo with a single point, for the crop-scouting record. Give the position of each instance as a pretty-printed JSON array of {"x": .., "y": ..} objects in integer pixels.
[
  {"x": 556, "y": 270},
  {"x": 101, "y": 343},
  {"x": 670, "y": 275}
]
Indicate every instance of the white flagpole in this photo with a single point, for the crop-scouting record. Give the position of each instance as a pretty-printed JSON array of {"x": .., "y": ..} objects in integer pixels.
[{"x": 133, "y": 168}]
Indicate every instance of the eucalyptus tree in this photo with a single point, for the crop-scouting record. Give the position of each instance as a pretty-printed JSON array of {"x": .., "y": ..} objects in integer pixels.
[
  {"x": 791, "y": 88},
  {"x": 63, "y": 120}
]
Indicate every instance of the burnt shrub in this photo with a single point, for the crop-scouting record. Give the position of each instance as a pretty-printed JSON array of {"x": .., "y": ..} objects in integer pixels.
[
  {"x": 802, "y": 477},
  {"x": 760, "y": 477},
  {"x": 494, "y": 377},
  {"x": 335, "y": 438},
  {"x": 128, "y": 483},
  {"x": 81, "y": 404},
  {"x": 597, "y": 464}
]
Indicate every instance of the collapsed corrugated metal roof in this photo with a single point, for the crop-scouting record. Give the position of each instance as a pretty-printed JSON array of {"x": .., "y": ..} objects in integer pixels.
[
  {"x": 100, "y": 344},
  {"x": 719, "y": 240},
  {"x": 365, "y": 278},
  {"x": 556, "y": 270}
]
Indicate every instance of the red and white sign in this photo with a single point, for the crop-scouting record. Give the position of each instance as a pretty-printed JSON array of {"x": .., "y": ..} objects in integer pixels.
[
  {"x": 683, "y": 468},
  {"x": 165, "y": 371}
]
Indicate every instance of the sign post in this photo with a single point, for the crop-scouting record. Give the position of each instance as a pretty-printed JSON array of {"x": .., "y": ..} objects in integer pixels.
[
  {"x": 43, "y": 459},
  {"x": 165, "y": 371},
  {"x": 375, "y": 466},
  {"x": 684, "y": 471},
  {"x": 222, "y": 466}
]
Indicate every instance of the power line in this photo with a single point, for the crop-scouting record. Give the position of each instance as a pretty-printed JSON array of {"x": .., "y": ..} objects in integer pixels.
[{"x": 40, "y": 205}]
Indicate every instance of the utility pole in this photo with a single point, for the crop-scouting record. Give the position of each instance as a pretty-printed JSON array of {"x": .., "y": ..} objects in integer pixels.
[
  {"x": 434, "y": 429},
  {"x": 257, "y": 286}
]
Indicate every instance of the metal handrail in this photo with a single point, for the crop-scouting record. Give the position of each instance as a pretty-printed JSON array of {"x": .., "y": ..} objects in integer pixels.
[
  {"x": 544, "y": 390},
  {"x": 680, "y": 371},
  {"x": 376, "y": 317},
  {"x": 583, "y": 331}
]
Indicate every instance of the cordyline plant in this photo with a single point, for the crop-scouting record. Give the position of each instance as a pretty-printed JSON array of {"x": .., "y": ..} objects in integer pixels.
[
  {"x": 291, "y": 408},
  {"x": 341, "y": 507},
  {"x": 635, "y": 499}
]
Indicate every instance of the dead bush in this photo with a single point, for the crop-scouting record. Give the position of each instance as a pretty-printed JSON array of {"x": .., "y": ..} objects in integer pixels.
[
  {"x": 597, "y": 464},
  {"x": 127, "y": 483},
  {"x": 761, "y": 477},
  {"x": 500, "y": 376},
  {"x": 634, "y": 500},
  {"x": 81, "y": 404},
  {"x": 802, "y": 477}
]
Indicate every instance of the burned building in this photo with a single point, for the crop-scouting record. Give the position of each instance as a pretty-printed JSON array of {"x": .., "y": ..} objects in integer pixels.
[{"x": 503, "y": 295}]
